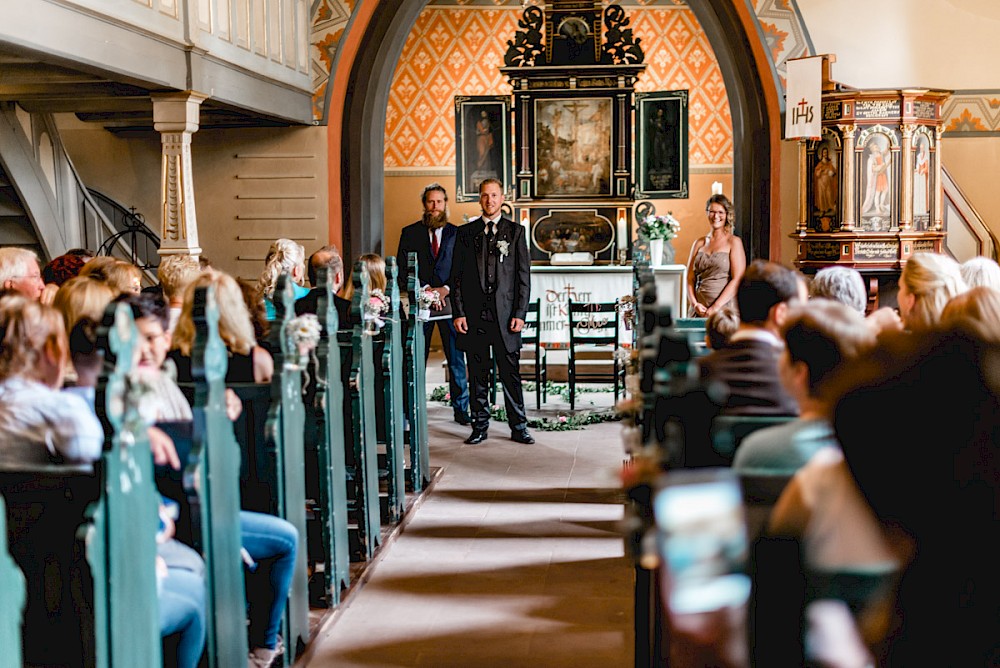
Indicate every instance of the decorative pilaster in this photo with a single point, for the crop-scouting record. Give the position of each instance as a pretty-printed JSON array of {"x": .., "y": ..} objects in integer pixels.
[
  {"x": 176, "y": 118},
  {"x": 906, "y": 222},
  {"x": 938, "y": 183},
  {"x": 850, "y": 195},
  {"x": 803, "y": 223}
]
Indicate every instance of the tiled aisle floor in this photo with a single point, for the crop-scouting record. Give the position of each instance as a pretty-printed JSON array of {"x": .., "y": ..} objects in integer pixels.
[{"x": 515, "y": 559}]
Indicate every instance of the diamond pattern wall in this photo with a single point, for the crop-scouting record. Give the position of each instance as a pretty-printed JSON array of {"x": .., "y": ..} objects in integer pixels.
[{"x": 457, "y": 51}]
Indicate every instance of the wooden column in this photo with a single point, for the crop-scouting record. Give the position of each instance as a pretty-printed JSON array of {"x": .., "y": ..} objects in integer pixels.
[
  {"x": 803, "y": 223},
  {"x": 176, "y": 118},
  {"x": 938, "y": 183},
  {"x": 906, "y": 177},
  {"x": 847, "y": 224}
]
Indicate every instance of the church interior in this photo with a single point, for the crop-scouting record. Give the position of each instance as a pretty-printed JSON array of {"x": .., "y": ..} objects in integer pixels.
[{"x": 153, "y": 133}]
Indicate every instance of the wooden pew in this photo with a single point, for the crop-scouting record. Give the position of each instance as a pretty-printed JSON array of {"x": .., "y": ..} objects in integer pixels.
[
  {"x": 356, "y": 353},
  {"x": 728, "y": 431},
  {"x": 391, "y": 367},
  {"x": 416, "y": 382},
  {"x": 325, "y": 411},
  {"x": 12, "y": 609},
  {"x": 211, "y": 478},
  {"x": 286, "y": 452}
]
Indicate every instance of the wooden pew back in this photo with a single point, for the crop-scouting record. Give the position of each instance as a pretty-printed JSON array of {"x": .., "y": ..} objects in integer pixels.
[{"x": 416, "y": 380}]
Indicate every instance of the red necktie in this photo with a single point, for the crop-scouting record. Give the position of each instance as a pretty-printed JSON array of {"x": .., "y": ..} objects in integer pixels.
[{"x": 435, "y": 246}]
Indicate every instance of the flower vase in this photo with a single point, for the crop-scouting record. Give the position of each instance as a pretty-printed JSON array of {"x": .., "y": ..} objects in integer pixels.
[
  {"x": 424, "y": 314},
  {"x": 656, "y": 252},
  {"x": 668, "y": 252}
]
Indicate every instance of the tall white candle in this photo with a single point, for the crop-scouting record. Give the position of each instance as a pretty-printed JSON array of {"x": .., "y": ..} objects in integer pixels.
[
  {"x": 622, "y": 234},
  {"x": 716, "y": 187},
  {"x": 526, "y": 222}
]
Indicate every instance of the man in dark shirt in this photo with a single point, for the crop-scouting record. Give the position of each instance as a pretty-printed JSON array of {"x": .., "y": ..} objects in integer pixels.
[
  {"x": 329, "y": 257},
  {"x": 748, "y": 365}
]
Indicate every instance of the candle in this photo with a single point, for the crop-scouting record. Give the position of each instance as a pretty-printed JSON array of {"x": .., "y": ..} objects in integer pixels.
[
  {"x": 622, "y": 233},
  {"x": 526, "y": 223},
  {"x": 716, "y": 187}
]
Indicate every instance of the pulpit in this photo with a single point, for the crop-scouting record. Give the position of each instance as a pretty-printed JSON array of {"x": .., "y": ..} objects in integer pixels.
[{"x": 870, "y": 189}]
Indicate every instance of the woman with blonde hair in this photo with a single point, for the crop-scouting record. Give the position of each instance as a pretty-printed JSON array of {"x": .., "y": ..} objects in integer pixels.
[
  {"x": 248, "y": 362},
  {"x": 976, "y": 312},
  {"x": 37, "y": 422},
  {"x": 124, "y": 277},
  {"x": 82, "y": 297},
  {"x": 928, "y": 282},
  {"x": 284, "y": 256},
  {"x": 375, "y": 268}
]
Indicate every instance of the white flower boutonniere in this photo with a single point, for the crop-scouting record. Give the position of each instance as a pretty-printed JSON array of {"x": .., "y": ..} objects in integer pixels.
[{"x": 503, "y": 247}]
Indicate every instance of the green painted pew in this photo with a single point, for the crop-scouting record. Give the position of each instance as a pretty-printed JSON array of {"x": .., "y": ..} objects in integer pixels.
[
  {"x": 211, "y": 475},
  {"x": 359, "y": 401},
  {"x": 286, "y": 454},
  {"x": 394, "y": 414},
  {"x": 416, "y": 383},
  {"x": 325, "y": 413},
  {"x": 12, "y": 607}
]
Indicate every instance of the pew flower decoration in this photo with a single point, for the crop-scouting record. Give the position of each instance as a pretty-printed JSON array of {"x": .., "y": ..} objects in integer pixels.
[
  {"x": 660, "y": 227},
  {"x": 427, "y": 298},
  {"x": 626, "y": 308},
  {"x": 503, "y": 247},
  {"x": 377, "y": 306},
  {"x": 305, "y": 331}
]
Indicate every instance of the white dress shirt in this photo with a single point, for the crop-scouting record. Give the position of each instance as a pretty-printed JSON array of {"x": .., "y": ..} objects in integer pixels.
[{"x": 37, "y": 422}]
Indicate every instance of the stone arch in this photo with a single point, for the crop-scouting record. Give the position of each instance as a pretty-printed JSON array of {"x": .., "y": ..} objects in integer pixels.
[{"x": 747, "y": 70}]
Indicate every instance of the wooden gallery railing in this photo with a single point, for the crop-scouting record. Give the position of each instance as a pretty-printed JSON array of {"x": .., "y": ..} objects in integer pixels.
[{"x": 81, "y": 539}]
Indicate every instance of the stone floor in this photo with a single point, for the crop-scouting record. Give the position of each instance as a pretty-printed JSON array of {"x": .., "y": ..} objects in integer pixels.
[{"x": 514, "y": 559}]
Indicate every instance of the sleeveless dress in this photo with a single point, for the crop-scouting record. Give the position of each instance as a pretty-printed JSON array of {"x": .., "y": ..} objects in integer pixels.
[{"x": 711, "y": 274}]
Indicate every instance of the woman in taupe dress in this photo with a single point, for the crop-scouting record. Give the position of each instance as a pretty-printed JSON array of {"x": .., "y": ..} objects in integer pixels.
[{"x": 717, "y": 261}]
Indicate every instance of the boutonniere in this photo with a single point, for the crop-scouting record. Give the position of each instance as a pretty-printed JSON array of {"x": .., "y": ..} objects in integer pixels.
[{"x": 503, "y": 246}]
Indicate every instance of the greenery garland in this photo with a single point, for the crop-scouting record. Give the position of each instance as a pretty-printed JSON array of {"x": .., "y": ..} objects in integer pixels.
[{"x": 561, "y": 423}]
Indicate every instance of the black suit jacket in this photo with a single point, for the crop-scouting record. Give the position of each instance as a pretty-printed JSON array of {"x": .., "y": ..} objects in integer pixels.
[
  {"x": 750, "y": 370},
  {"x": 468, "y": 285},
  {"x": 431, "y": 271},
  {"x": 310, "y": 304}
]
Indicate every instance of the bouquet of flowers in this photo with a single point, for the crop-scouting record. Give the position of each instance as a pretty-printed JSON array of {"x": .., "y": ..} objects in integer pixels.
[
  {"x": 427, "y": 298},
  {"x": 377, "y": 306},
  {"x": 304, "y": 331},
  {"x": 626, "y": 307},
  {"x": 660, "y": 227}
]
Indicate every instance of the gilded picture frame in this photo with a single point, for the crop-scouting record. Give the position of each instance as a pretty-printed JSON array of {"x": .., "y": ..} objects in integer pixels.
[
  {"x": 661, "y": 156},
  {"x": 573, "y": 147},
  {"x": 482, "y": 143}
]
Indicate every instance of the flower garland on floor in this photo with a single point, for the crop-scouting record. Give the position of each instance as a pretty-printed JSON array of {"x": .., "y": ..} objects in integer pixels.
[{"x": 560, "y": 423}]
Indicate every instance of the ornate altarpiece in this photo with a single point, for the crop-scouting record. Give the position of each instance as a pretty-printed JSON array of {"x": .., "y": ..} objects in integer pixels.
[
  {"x": 573, "y": 66},
  {"x": 870, "y": 189}
]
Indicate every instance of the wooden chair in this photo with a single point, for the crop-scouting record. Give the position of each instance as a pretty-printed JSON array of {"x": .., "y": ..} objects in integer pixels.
[
  {"x": 593, "y": 344},
  {"x": 531, "y": 342}
]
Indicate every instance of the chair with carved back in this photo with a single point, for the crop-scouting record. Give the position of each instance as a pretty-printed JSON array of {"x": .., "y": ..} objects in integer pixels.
[
  {"x": 593, "y": 346},
  {"x": 535, "y": 366}
]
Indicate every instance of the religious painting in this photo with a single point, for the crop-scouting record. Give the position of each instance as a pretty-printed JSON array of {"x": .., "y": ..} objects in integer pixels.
[
  {"x": 922, "y": 180},
  {"x": 573, "y": 147},
  {"x": 879, "y": 181},
  {"x": 661, "y": 169},
  {"x": 482, "y": 143},
  {"x": 825, "y": 183}
]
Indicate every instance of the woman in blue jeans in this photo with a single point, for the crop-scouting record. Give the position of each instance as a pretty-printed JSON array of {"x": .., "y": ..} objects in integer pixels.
[{"x": 271, "y": 543}]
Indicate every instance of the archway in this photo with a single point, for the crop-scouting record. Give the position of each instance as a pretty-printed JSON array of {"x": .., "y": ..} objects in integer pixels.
[{"x": 363, "y": 128}]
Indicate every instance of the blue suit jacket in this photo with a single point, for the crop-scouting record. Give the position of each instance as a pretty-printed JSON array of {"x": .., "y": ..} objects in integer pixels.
[{"x": 416, "y": 239}]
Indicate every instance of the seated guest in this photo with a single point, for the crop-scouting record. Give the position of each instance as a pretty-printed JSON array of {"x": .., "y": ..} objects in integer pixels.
[
  {"x": 328, "y": 257},
  {"x": 749, "y": 364},
  {"x": 841, "y": 284},
  {"x": 38, "y": 423},
  {"x": 981, "y": 271},
  {"x": 123, "y": 277},
  {"x": 927, "y": 283},
  {"x": 82, "y": 297},
  {"x": 61, "y": 269},
  {"x": 931, "y": 479},
  {"x": 175, "y": 272},
  {"x": 719, "y": 326},
  {"x": 375, "y": 269},
  {"x": 820, "y": 336},
  {"x": 976, "y": 312},
  {"x": 248, "y": 362},
  {"x": 284, "y": 256},
  {"x": 19, "y": 272},
  {"x": 97, "y": 267}
]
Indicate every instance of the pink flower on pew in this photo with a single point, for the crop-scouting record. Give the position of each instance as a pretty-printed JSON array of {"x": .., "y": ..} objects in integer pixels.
[
  {"x": 562, "y": 418},
  {"x": 447, "y": 396}
]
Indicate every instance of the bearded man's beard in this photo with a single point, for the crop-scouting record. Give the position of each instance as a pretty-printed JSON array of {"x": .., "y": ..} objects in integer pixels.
[{"x": 434, "y": 221}]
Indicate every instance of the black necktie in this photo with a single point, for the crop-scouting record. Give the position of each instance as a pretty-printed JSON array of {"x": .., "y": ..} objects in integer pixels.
[{"x": 491, "y": 259}]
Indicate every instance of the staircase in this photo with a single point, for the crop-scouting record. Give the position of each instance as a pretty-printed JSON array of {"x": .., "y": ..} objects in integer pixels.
[
  {"x": 15, "y": 226},
  {"x": 968, "y": 236}
]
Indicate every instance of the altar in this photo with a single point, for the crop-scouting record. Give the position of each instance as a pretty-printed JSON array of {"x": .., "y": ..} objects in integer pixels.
[{"x": 555, "y": 286}]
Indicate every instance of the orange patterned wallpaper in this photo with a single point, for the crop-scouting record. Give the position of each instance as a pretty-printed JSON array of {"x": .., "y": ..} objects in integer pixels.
[{"x": 456, "y": 51}]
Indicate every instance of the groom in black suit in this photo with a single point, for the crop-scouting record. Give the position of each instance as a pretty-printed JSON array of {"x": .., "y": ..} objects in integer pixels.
[
  {"x": 432, "y": 238},
  {"x": 490, "y": 285}
]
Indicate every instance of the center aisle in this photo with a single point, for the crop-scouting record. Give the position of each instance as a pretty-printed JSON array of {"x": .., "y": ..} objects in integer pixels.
[{"x": 515, "y": 559}]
